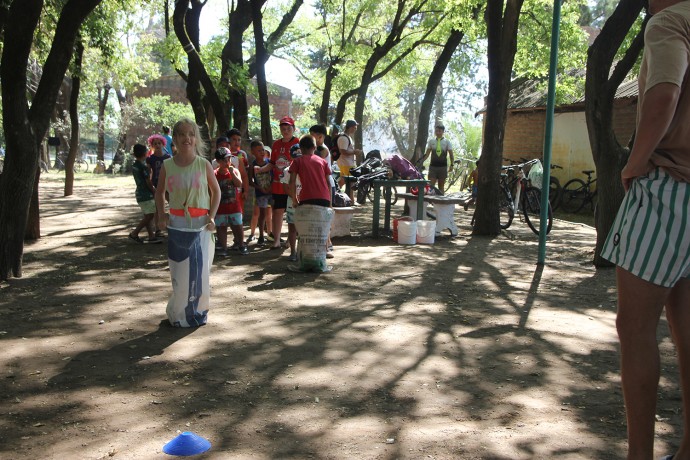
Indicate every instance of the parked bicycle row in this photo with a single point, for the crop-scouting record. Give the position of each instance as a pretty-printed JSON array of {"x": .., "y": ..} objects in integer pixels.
[{"x": 571, "y": 198}]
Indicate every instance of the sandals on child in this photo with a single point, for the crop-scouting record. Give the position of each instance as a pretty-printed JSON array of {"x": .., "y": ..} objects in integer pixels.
[{"x": 135, "y": 239}]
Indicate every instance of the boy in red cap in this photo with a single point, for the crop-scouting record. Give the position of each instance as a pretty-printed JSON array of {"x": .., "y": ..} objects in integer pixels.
[{"x": 280, "y": 160}]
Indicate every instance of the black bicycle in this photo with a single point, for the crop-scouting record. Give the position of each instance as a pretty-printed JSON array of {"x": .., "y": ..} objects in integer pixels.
[
  {"x": 555, "y": 189},
  {"x": 577, "y": 193},
  {"x": 80, "y": 165},
  {"x": 526, "y": 199}
]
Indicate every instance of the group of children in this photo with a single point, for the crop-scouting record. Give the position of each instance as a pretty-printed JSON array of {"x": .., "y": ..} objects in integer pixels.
[
  {"x": 146, "y": 169},
  {"x": 264, "y": 173}
]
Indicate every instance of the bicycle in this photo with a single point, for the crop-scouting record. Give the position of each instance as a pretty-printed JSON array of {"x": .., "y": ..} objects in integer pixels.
[
  {"x": 80, "y": 165},
  {"x": 555, "y": 189},
  {"x": 577, "y": 193},
  {"x": 387, "y": 193},
  {"x": 527, "y": 198},
  {"x": 460, "y": 172}
]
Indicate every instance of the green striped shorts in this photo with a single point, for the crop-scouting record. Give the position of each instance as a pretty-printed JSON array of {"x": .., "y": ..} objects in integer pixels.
[{"x": 650, "y": 237}]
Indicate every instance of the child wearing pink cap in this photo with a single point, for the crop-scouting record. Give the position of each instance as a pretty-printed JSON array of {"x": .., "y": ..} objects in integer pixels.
[{"x": 155, "y": 161}]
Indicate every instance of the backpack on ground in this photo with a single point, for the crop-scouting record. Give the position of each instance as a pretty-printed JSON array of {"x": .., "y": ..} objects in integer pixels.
[
  {"x": 402, "y": 167},
  {"x": 335, "y": 151}
]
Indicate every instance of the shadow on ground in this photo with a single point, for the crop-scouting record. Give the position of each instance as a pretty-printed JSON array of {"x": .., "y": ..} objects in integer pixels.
[{"x": 464, "y": 349}]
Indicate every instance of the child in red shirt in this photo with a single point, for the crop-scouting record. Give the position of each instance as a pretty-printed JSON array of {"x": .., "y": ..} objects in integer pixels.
[{"x": 230, "y": 209}]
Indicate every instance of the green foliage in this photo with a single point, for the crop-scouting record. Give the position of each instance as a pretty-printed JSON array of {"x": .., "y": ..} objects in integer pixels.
[{"x": 152, "y": 112}]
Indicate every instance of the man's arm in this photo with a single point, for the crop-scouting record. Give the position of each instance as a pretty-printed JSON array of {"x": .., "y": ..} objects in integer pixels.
[
  {"x": 292, "y": 189},
  {"x": 426, "y": 155},
  {"x": 658, "y": 107}
]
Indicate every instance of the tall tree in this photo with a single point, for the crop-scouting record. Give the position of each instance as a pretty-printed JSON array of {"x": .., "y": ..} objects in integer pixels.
[
  {"x": 74, "y": 117},
  {"x": 502, "y": 27},
  {"x": 600, "y": 90},
  {"x": 186, "y": 25},
  {"x": 24, "y": 124},
  {"x": 261, "y": 57},
  {"x": 432, "y": 85}
]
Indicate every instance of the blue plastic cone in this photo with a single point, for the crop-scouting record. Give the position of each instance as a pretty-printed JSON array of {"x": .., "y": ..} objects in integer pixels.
[{"x": 186, "y": 444}]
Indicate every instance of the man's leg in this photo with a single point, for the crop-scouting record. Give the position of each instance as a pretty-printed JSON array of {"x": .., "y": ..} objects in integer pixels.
[
  {"x": 639, "y": 308},
  {"x": 432, "y": 177},
  {"x": 678, "y": 315}
]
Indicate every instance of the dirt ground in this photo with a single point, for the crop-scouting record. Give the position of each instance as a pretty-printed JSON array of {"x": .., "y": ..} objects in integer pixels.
[{"x": 460, "y": 350}]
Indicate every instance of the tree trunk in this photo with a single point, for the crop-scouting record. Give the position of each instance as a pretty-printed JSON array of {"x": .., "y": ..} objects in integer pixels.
[
  {"x": 33, "y": 224},
  {"x": 103, "y": 95},
  {"x": 394, "y": 37},
  {"x": 331, "y": 73},
  {"x": 186, "y": 23},
  {"x": 432, "y": 85},
  {"x": 74, "y": 119},
  {"x": 26, "y": 124},
  {"x": 124, "y": 100},
  {"x": 502, "y": 30},
  {"x": 600, "y": 90},
  {"x": 261, "y": 57},
  {"x": 232, "y": 60}
]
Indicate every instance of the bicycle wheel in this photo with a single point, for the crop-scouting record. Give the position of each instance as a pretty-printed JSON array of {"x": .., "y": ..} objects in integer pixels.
[
  {"x": 505, "y": 207},
  {"x": 80, "y": 166},
  {"x": 393, "y": 194},
  {"x": 455, "y": 174},
  {"x": 531, "y": 208},
  {"x": 573, "y": 196},
  {"x": 554, "y": 192}
]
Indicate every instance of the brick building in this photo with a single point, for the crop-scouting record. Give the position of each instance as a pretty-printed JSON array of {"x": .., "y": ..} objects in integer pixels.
[
  {"x": 526, "y": 120},
  {"x": 279, "y": 97}
]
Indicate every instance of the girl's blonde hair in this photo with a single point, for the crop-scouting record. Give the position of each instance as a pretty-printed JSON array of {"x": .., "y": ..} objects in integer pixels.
[{"x": 200, "y": 145}]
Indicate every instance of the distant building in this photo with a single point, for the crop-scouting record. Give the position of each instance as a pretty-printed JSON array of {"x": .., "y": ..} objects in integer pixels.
[
  {"x": 175, "y": 87},
  {"x": 526, "y": 120}
]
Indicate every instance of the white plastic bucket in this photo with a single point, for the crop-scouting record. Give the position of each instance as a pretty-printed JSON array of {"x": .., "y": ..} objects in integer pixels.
[
  {"x": 407, "y": 232},
  {"x": 395, "y": 225},
  {"x": 426, "y": 231}
]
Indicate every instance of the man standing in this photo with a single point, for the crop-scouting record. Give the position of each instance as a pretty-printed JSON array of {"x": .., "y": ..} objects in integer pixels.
[
  {"x": 439, "y": 148},
  {"x": 348, "y": 152},
  {"x": 650, "y": 239}
]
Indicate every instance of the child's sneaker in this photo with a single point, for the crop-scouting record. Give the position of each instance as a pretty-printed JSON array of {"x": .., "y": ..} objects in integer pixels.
[
  {"x": 293, "y": 257},
  {"x": 261, "y": 240},
  {"x": 244, "y": 250},
  {"x": 250, "y": 239},
  {"x": 222, "y": 253},
  {"x": 153, "y": 240}
]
